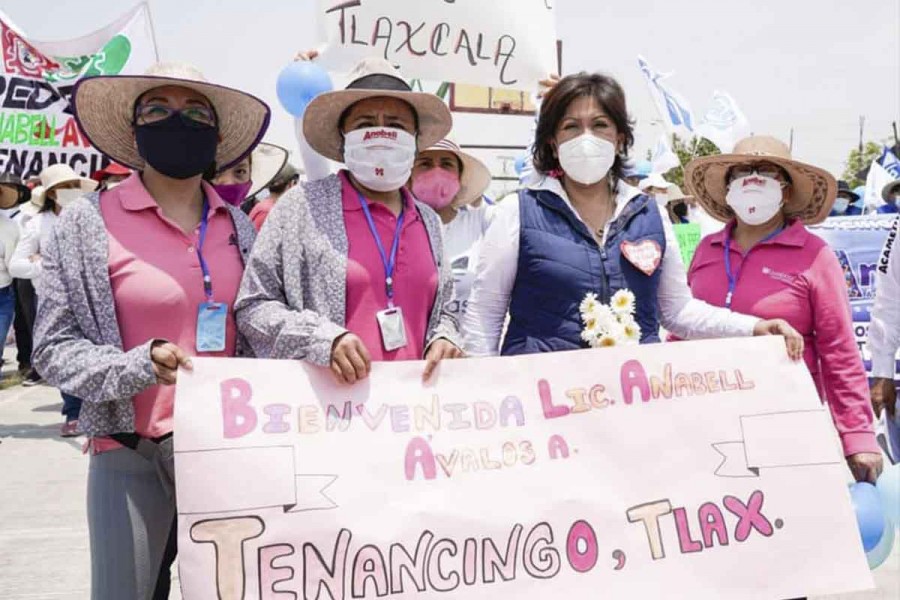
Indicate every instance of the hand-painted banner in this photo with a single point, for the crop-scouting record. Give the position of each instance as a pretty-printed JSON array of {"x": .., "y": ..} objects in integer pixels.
[
  {"x": 858, "y": 243},
  {"x": 37, "y": 128},
  {"x": 694, "y": 470},
  {"x": 501, "y": 43}
]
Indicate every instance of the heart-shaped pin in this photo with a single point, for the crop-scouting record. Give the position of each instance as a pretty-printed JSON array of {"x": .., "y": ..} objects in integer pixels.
[{"x": 645, "y": 255}]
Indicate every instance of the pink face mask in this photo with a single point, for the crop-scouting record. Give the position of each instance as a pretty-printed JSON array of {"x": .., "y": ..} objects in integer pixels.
[
  {"x": 436, "y": 187},
  {"x": 234, "y": 193}
]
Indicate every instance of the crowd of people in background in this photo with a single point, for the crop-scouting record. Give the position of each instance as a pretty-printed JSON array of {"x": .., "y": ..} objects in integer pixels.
[{"x": 396, "y": 256}]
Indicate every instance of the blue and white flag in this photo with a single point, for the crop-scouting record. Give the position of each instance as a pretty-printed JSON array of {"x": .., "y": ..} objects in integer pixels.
[
  {"x": 662, "y": 157},
  {"x": 724, "y": 123},
  {"x": 673, "y": 108},
  {"x": 888, "y": 160}
]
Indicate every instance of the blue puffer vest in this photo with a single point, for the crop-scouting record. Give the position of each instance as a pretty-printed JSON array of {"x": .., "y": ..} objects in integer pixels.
[{"x": 560, "y": 262}]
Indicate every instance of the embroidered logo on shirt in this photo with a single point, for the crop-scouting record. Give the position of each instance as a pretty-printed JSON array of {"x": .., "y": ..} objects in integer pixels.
[
  {"x": 783, "y": 277},
  {"x": 645, "y": 255}
]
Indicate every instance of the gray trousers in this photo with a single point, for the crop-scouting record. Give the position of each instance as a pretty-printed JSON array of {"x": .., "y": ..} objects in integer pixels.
[{"x": 131, "y": 508}]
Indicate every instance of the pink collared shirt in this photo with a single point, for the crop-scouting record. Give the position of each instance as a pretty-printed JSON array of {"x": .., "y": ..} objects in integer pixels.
[
  {"x": 415, "y": 275},
  {"x": 157, "y": 284},
  {"x": 795, "y": 276}
]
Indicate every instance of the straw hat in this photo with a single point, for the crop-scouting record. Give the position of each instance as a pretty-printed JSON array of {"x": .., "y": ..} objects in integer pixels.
[
  {"x": 372, "y": 78},
  {"x": 104, "y": 109},
  {"x": 266, "y": 161},
  {"x": 11, "y": 184},
  {"x": 475, "y": 178},
  {"x": 888, "y": 191},
  {"x": 56, "y": 175},
  {"x": 814, "y": 189}
]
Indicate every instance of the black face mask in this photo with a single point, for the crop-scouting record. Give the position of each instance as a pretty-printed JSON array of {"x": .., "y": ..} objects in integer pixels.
[
  {"x": 680, "y": 210},
  {"x": 175, "y": 148}
]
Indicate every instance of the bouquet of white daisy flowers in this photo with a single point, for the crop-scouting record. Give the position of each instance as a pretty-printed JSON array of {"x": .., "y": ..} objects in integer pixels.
[{"x": 612, "y": 324}]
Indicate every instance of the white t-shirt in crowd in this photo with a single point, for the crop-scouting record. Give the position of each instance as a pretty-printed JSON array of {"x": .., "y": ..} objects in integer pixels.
[{"x": 462, "y": 242}]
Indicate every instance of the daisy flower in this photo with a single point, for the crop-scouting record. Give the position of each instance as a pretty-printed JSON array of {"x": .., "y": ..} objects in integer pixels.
[
  {"x": 588, "y": 305},
  {"x": 632, "y": 331},
  {"x": 622, "y": 302},
  {"x": 605, "y": 341}
]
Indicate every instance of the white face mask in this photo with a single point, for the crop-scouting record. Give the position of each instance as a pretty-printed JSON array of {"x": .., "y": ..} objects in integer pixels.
[
  {"x": 587, "y": 159},
  {"x": 67, "y": 197},
  {"x": 755, "y": 199},
  {"x": 380, "y": 158},
  {"x": 841, "y": 205}
]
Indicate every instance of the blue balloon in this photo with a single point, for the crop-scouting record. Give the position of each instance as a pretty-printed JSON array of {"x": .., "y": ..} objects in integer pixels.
[
  {"x": 877, "y": 555},
  {"x": 300, "y": 82},
  {"x": 521, "y": 163},
  {"x": 644, "y": 168},
  {"x": 869, "y": 514},
  {"x": 861, "y": 192},
  {"x": 889, "y": 490}
]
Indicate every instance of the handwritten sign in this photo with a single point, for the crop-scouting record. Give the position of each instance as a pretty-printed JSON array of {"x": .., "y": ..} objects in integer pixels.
[
  {"x": 696, "y": 470},
  {"x": 688, "y": 235},
  {"x": 37, "y": 127},
  {"x": 501, "y": 43}
]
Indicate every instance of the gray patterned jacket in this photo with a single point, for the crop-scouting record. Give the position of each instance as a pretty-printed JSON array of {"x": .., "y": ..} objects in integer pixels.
[
  {"x": 77, "y": 343},
  {"x": 292, "y": 301}
]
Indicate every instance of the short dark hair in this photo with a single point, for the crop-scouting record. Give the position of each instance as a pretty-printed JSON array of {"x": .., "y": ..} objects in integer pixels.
[{"x": 608, "y": 94}]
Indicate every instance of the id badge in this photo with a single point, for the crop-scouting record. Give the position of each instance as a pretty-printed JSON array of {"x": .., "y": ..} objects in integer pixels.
[
  {"x": 211, "y": 321},
  {"x": 393, "y": 332}
]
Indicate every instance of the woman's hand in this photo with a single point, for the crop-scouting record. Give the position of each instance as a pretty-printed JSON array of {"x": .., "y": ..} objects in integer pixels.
[
  {"x": 884, "y": 397},
  {"x": 865, "y": 466},
  {"x": 167, "y": 358},
  {"x": 792, "y": 338},
  {"x": 545, "y": 85},
  {"x": 306, "y": 55},
  {"x": 439, "y": 350},
  {"x": 350, "y": 361}
]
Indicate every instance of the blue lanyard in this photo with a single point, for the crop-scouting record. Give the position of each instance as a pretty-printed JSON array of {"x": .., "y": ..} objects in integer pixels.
[
  {"x": 207, "y": 278},
  {"x": 389, "y": 264},
  {"x": 733, "y": 277}
]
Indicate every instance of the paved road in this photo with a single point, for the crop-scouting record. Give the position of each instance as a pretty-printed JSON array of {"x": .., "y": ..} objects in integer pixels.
[{"x": 43, "y": 532}]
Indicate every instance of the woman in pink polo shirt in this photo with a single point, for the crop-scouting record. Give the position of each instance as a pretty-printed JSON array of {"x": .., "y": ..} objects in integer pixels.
[
  {"x": 350, "y": 269},
  {"x": 135, "y": 280},
  {"x": 766, "y": 263}
]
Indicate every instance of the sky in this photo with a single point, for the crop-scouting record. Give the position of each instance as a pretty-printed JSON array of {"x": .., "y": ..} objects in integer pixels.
[{"x": 814, "y": 66}]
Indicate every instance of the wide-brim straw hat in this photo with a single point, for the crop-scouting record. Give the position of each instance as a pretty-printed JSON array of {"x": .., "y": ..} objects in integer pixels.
[
  {"x": 104, "y": 108},
  {"x": 266, "y": 161},
  {"x": 475, "y": 178},
  {"x": 56, "y": 175},
  {"x": 813, "y": 189},
  {"x": 372, "y": 78},
  {"x": 10, "y": 183},
  {"x": 890, "y": 189}
]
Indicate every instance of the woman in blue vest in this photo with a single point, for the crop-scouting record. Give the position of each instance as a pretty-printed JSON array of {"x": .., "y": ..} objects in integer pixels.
[{"x": 580, "y": 229}]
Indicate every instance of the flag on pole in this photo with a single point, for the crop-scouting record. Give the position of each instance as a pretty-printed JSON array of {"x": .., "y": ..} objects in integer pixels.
[
  {"x": 724, "y": 123},
  {"x": 42, "y": 131},
  {"x": 673, "y": 108},
  {"x": 662, "y": 157},
  {"x": 876, "y": 180},
  {"x": 889, "y": 162}
]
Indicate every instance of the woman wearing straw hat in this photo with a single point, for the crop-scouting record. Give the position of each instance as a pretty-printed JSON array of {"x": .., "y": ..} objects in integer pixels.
[
  {"x": 287, "y": 178},
  {"x": 349, "y": 268},
  {"x": 578, "y": 230},
  {"x": 59, "y": 186},
  {"x": 766, "y": 263},
  {"x": 136, "y": 279},
  {"x": 450, "y": 181},
  {"x": 250, "y": 175}
]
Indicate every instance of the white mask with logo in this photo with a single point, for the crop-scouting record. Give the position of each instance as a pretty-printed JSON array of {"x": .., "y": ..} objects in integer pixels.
[
  {"x": 380, "y": 158},
  {"x": 587, "y": 159},
  {"x": 755, "y": 199},
  {"x": 67, "y": 197}
]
